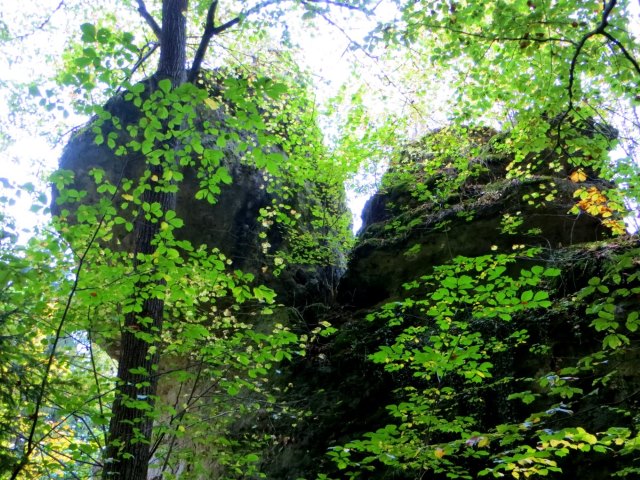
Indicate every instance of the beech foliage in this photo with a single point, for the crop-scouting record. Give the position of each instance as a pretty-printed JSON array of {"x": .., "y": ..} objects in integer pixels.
[{"x": 91, "y": 328}]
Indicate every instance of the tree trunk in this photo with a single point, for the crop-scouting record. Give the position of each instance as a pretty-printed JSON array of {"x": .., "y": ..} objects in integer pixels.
[{"x": 128, "y": 446}]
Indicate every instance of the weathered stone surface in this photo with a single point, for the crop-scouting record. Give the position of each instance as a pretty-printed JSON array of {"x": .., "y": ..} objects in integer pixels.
[
  {"x": 389, "y": 253},
  {"x": 403, "y": 238},
  {"x": 233, "y": 224}
]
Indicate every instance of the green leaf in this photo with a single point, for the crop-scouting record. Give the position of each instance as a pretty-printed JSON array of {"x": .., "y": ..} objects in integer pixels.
[
  {"x": 633, "y": 321},
  {"x": 195, "y": 332},
  {"x": 526, "y": 296},
  {"x": 88, "y": 32},
  {"x": 222, "y": 173},
  {"x": 539, "y": 296},
  {"x": 165, "y": 85}
]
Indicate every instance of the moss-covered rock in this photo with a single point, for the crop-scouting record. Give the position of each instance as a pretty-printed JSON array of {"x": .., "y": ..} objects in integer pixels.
[{"x": 556, "y": 354}]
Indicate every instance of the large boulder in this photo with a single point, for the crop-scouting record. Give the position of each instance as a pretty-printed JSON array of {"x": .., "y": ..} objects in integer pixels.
[
  {"x": 406, "y": 232},
  {"x": 256, "y": 217}
]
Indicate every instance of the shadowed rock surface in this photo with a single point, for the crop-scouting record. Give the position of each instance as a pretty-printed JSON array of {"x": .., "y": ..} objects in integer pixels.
[
  {"x": 235, "y": 223},
  {"x": 404, "y": 237}
]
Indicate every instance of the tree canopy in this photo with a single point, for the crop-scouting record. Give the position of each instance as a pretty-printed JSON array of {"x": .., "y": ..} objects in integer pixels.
[{"x": 132, "y": 347}]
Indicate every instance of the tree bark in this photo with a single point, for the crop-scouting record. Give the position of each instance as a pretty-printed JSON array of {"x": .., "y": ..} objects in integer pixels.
[
  {"x": 129, "y": 439},
  {"x": 173, "y": 45}
]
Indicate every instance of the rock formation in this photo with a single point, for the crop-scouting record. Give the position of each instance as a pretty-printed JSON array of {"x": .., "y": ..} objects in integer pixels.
[
  {"x": 428, "y": 212},
  {"x": 242, "y": 223},
  {"x": 407, "y": 234}
]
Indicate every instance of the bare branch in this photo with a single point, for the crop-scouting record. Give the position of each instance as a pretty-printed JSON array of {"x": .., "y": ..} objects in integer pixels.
[
  {"x": 340, "y": 4},
  {"x": 210, "y": 30},
  {"x": 243, "y": 15},
  {"x": 142, "y": 10},
  {"x": 43, "y": 23},
  {"x": 141, "y": 60}
]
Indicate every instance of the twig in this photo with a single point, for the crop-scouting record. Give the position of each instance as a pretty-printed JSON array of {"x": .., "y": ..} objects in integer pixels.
[
  {"x": 342, "y": 5},
  {"x": 141, "y": 60},
  {"x": 95, "y": 374},
  {"x": 179, "y": 417},
  {"x": 42, "y": 24}
]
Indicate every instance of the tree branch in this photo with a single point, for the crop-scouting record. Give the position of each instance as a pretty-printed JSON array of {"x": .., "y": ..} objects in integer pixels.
[
  {"x": 142, "y": 10},
  {"x": 624, "y": 51},
  {"x": 340, "y": 4},
  {"x": 209, "y": 29},
  {"x": 43, "y": 23},
  {"x": 243, "y": 15},
  {"x": 488, "y": 38},
  {"x": 599, "y": 30}
]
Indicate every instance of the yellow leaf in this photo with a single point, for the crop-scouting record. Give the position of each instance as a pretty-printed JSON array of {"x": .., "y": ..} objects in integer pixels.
[
  {"x": 439, "y": 452},
  {"x": 127, "y": 197},
  {"x": 484, "y": 441},
  {"x": 578, "y": 176},
  {"x": 211, "y": 103},
  {"x": 154, "y": 178}
]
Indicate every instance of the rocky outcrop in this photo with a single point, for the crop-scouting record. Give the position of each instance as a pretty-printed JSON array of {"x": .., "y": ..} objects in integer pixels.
[
  {"x": 430, "y": 210},
  {"x": 404, "y": 237},
  {"x": 408, "y": 234},
  {"x": 251, "y": 220}
]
